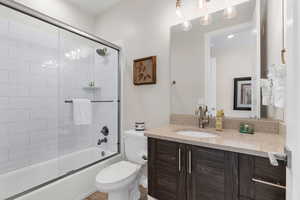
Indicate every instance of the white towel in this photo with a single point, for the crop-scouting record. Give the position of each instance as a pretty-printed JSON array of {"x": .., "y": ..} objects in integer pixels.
[
  {"x": 82, "y": 111},
  {"x": 278, "y": 76},
  {"x": 266, "y": 91}
]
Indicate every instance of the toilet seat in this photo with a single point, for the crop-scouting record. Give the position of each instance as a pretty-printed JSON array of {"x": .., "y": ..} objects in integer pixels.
[{"x": 117, "y": 172}]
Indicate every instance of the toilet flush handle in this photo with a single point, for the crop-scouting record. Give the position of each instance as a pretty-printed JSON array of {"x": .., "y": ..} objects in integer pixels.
[{"x": 145, "y": 157}]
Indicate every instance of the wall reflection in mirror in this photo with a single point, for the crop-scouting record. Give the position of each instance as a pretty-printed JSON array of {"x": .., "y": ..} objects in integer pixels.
[{"x": 225, "y": 64}]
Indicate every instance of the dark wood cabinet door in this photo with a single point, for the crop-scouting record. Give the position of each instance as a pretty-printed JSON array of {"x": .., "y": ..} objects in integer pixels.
[
  {"x": 211, "y": 174},
  {"x": 259, "y": 180},
  {"x": 166, "y": 170},
  {"x": 185, "y": 172}
]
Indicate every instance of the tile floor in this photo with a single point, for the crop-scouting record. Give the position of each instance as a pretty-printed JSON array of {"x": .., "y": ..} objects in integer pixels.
[{"x": 103, "y": 196}]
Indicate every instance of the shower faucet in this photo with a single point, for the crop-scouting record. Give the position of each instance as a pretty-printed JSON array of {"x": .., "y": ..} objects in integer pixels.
[{"x": 105, "y": 131}]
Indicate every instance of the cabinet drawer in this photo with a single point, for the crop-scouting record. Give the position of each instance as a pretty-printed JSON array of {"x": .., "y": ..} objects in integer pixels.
[
  {"x": 265, "y": 171},
  {"x": 265, "y": 192},
  {"x": 259, "y": 180}
]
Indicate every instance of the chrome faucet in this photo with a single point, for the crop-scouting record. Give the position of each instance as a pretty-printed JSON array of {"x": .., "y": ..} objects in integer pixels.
[{"x": 203, "y": 117}]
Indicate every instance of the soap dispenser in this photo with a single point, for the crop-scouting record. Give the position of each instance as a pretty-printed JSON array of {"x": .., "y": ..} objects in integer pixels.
[{"x": 219, "y": 120}]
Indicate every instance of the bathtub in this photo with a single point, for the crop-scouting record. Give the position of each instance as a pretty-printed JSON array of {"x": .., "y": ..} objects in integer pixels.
[{"x": 27, "y": 178}]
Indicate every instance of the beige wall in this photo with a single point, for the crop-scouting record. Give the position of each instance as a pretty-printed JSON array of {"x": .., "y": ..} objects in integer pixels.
[
  {"x": 293, "y": 97},
  {"x": 144, "y": 28}
]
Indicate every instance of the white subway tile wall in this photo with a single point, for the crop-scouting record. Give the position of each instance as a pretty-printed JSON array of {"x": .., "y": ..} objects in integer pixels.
[{"x": 41, "y": 66}]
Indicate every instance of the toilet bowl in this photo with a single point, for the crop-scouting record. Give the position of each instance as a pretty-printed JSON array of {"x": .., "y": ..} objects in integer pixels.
[{"x": 121, "y": 180}]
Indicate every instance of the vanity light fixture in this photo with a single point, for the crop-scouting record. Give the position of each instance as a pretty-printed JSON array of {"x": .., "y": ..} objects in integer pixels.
[
  {"x": 186, "y": 24},
  {"x": 201, "y": 4},
  {"x": 206, "y": 19},
  {"x": 230, "y": 12},
  {"x": 178, "y": 13},
  {"x": 178, "y": 9}
]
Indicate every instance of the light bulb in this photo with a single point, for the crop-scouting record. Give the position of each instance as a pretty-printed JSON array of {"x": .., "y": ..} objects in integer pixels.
[
  {"x": 178, "y": 9},
  {"x": 230, "y": 12},
  {"x": 201, "y": 4},
  {"x": 179, "y": 13},
  {"x": 186, "y": 25},
  {"x": 205, "y": 20}
]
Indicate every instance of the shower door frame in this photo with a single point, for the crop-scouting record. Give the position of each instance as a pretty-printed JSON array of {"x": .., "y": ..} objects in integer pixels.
[{"x": 64, "y": 26}]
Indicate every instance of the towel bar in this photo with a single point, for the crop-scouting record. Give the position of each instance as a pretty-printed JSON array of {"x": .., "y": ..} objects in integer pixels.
[{"x": 107, "y": 101}]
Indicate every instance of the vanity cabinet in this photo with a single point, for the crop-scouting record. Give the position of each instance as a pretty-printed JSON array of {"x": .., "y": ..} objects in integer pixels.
[
  {"x": 166, "y": 170},
  {"x": 186, "y": 172},
  {"x": 212, "y": 174}
]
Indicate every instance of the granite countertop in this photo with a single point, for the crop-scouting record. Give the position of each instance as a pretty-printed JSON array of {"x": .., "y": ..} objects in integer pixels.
[{"x": 259, "y": 144}]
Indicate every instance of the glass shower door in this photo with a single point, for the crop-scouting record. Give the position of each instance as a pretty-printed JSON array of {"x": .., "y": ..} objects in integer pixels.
[
  {"x": 86, "y": 74},
  {"x": 42, "y": 68},
  {"x": 29, "y": 63}
]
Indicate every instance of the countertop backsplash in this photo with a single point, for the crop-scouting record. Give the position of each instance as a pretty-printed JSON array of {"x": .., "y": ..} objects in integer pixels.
[{"x": 260, "y": 125}]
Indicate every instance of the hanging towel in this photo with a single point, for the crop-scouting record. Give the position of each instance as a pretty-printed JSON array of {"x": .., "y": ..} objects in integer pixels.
[
  {"x": 266, "y": 91},
  {"x": 278, "y": 76},
  {"x": 82, "y": 111}
]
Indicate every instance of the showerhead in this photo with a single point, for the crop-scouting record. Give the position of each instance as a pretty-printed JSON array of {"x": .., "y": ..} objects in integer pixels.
[{"x": 102, "y": 52}]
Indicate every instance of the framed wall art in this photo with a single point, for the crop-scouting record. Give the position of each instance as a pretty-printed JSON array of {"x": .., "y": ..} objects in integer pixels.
[
  {"x": 242, "y": 93},
  {"x": 144, "y": 71}
]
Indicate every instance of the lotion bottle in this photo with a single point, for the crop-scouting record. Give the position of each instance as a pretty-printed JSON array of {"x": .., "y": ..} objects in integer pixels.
[{"x": 219, "y": 120}]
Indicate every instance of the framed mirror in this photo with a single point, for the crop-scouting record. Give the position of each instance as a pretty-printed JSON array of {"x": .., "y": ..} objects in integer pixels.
[{"x": 221, "y": 63}]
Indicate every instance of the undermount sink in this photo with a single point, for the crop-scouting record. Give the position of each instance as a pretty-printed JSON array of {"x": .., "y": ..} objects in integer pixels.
[{"x": 196, "y": 134}]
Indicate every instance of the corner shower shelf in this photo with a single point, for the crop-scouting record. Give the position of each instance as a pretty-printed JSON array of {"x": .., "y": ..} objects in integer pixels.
[{"x": 103, "y": 101}]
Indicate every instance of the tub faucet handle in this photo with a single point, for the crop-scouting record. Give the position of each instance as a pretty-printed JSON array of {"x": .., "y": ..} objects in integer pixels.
[{"x": 104, "y": 140}]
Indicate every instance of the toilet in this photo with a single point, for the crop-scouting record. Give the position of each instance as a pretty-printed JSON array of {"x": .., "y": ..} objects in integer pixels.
[{"x": 121, "y": 180}]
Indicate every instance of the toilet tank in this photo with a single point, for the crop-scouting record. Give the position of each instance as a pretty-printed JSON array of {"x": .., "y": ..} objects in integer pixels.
[{"x": 135, "y": 145}]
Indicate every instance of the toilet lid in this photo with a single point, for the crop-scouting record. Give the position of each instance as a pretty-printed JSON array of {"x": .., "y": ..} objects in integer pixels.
[{"x": 117, "y": 172}]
